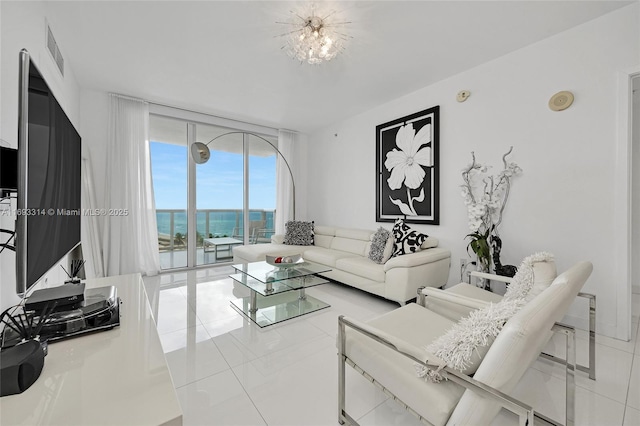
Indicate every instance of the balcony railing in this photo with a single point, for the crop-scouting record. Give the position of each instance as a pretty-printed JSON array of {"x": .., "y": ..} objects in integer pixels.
[{"x": 210, "y": 223}]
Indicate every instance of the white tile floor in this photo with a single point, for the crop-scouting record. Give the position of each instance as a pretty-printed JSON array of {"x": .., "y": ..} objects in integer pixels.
[{"x": 227, "y": 371}]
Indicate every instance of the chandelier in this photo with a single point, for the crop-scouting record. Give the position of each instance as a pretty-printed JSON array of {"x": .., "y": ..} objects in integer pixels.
[{"x": 314, "y": 37}]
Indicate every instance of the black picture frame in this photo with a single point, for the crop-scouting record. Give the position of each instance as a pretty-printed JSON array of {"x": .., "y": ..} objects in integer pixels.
[{"x": 415, "y": 200}]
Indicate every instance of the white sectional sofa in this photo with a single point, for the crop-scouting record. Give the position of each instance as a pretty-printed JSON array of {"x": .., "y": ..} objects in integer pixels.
[{"x": 345, "y": 251}]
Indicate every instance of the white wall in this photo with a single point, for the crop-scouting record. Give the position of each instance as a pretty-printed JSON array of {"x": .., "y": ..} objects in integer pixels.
[
  {"x": 22, "y": 25},
  {"x": 562, "y": 202}
]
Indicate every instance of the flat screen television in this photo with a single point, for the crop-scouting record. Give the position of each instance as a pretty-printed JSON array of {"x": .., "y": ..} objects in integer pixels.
[{"x": 49, "y": 179}]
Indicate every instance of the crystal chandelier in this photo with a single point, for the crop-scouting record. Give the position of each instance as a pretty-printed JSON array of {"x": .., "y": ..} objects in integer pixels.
[{"x": 314, "y": 37}]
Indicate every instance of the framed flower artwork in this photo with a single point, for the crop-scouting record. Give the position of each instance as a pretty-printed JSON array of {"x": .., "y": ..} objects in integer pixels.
[{"x": 407, "y": 171}]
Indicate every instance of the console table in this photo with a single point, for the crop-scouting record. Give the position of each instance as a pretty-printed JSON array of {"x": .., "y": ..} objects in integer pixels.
[{"x": 115, "y": 377}]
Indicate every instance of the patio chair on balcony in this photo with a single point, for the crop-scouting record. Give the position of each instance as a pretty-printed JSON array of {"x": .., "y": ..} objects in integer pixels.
[
  {"x": 261, "y": 235},
  {"x": 257, "y": 232}
]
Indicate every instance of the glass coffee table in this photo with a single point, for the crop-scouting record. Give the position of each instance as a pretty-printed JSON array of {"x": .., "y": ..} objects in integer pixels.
[{"x": 277, "y": 293}]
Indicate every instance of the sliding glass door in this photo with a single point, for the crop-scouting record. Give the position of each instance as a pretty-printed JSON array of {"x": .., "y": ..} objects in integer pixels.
[
  {"x": 219, "y": 194},
  {"x": 215, "y": 201}
]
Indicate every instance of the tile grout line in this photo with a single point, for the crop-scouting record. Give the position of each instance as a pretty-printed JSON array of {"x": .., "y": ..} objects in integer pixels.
[
  {"x": 249, "y": 396},
  {"x": 204, "y": 378},
  {"x": 232, "y": 372},
  {"x": 375, "y": 408}
]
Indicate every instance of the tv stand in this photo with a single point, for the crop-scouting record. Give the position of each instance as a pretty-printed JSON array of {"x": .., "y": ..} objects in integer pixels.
[
  {"x": 113, "y": 377},
  {"x": 98, "y": 311}
]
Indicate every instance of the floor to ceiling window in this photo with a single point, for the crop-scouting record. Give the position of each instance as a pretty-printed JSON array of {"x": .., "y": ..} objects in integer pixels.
[
  {"x": 210, "y": 200},
  {"x": 169, "y": 168}
]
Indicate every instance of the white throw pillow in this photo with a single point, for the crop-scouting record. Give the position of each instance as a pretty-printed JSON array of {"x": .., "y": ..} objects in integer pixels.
[
  {"x": 544, "y": 273},
  {"x": 535, "y": 273}
]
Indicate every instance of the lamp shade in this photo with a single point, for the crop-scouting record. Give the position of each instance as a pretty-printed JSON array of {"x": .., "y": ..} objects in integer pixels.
[{"x": 200, "y": 152}]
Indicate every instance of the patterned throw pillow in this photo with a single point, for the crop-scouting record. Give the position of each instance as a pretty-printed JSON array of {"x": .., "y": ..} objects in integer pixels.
[
  {"x": 378, "y": 245},
  {"x": 406, "y": 240},
  {"x": 298, "y": 233}
]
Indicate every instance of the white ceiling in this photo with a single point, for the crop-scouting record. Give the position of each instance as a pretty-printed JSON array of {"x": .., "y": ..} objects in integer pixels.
[
  {"x": 225, "y": 57},
  {"x": 174, "y": 131}
]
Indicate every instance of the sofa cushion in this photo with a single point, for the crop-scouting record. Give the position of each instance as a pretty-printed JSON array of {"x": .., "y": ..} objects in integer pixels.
[
  {"x": 363, "y": 267},
  {"x": 406, "y": 240},
  {"x": 357, "y": 247},
  {"x": 257, "y": 252},
  {"x": 544, "y": 273},
  {"x": 298, "y": 233},
  {"x": 322, "y": 241},
  {"x": 354, "y": 234},
  {"x": 325, "y": 256},
  {"x": 351, "y": 240},
  {"x": 329, "y": 231},
  {"x": 535, "y": 274},
  {"x": 323, "y": 236}
]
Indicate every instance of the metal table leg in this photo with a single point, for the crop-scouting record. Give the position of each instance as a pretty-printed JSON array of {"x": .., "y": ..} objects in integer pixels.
[{"x": 253, "y": 301}]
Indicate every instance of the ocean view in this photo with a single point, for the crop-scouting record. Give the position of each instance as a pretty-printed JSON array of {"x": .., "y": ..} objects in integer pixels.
[{"x": 221, "y": 222}]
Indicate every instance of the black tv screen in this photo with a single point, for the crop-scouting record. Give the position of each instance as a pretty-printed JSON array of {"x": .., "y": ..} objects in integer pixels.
[{"x": 51, "y": 183}]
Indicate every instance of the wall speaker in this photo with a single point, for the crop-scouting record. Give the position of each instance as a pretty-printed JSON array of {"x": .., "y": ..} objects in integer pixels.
[{"x": 560, "y": 101}]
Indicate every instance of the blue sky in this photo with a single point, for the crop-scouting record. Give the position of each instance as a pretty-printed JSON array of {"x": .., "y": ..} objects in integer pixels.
[{"x": 218, "y": 182}]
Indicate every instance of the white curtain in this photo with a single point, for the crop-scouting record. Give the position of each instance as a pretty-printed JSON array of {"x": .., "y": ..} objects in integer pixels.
[
  {"x": 92, "y": 243},
  {"x": 130, "y": 242},
  {"x": 285, "y": 195}
]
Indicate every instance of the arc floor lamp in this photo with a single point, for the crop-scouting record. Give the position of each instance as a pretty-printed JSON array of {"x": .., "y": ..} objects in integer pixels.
[{"x": 201, "y": 154}]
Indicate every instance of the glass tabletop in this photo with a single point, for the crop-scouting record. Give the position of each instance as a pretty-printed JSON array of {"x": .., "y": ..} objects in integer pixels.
[
  {"x": 278, "y": 293},
  {"x": 275, "y": 287},
  {"x": 265, "y": 273}
]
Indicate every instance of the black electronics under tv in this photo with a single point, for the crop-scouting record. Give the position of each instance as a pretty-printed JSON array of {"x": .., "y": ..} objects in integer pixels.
[
  {"x": 8, "y": 170},
  {"x": 49, "y": 179}
]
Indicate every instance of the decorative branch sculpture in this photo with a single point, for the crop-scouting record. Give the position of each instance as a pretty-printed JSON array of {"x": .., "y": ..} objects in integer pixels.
[{"x": 485, "y": 207}]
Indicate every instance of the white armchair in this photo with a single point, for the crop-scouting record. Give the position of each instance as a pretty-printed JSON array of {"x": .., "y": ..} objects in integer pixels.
[
  {"x": 386, "y": 350},
  {"x": 458, "y": 301}
]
